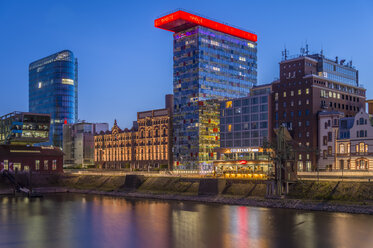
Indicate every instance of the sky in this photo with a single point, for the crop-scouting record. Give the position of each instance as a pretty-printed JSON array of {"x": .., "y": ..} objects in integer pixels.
[{"x": 125, "y": 63}]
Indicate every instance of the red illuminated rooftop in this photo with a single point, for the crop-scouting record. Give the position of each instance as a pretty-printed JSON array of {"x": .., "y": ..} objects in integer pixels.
[{"x": 181, "y": 20}]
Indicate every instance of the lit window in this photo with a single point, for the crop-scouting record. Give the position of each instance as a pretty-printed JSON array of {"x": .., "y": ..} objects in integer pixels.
[
  {"x": 299, "y": 92},
  {"x": 228, "y": 104},
  {"x": 230, "y": 128},
  {"x": 284, "y": 93},
  {"x": 292, "y": 93},
  {"x": 37, "y": 164},
  {"x": 45, "y": 164},
  {"x": 300, "y": 166},
  {"x": 341, "y": 148},
  {"x": 67, "y": 81},
  {"x": 39, "y": 85},
  {"x": 307, "y": 91}
]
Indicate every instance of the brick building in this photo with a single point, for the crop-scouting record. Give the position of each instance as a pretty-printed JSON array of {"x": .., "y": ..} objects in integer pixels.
[
  {"x": 146, "y": 145},
  {"x": 31, "y": 158},
  {"x": 309, "y": 84}
]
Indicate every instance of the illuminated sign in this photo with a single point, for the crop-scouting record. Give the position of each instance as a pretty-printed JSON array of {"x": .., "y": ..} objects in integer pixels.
[
  {"x": 243, "y": 162},
  {"x": 238, "y": 150},
  {"x": 181, "y": 19}
]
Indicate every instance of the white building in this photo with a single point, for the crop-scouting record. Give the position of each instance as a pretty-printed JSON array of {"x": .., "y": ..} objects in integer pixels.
[
  {"x": 346, "y": 143},
  {"x": 78, "y": 142}
]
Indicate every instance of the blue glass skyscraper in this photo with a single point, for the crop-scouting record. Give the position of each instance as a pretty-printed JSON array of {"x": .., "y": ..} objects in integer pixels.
[
  {"x": 53, "y": 89},
  {"x": 212, "y": 62}
]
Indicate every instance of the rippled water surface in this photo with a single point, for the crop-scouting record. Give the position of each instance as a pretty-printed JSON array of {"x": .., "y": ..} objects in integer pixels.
[{"x": 98, "y": 221}]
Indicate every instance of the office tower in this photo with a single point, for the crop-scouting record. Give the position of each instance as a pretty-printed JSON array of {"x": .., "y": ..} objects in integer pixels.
[
  {"x": 309, "y": 85},
  {"x": 53, "y": 89},
  {"x": 212, "y": 62}
]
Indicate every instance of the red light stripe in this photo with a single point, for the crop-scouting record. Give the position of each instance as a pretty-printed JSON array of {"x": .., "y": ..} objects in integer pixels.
[{"x": 182, "y": 15}]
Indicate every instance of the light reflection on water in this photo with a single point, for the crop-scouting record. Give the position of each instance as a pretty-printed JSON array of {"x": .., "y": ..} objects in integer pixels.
[{"x": 96, "y": 221}]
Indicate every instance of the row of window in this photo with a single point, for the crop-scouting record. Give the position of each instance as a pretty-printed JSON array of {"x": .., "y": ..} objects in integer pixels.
[
  {"x": 284, "y": 94},
  {"x": 18, "y": 166}
]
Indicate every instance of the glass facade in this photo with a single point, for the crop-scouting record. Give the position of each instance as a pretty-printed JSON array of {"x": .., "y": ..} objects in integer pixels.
[
  {"x": 209, "y": 66},
  {"x": 244, "y": 122},
  {"x": 53, "y": 89},
  {"x": 24, "y": 128},
  {"x": 339, "y": 72}
]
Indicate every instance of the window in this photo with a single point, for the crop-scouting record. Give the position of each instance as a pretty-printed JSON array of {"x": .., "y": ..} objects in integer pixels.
[
  {"x": 324, "y": 152},
  {"x": 348, "y": 148},
  {"x": 330, "y": 136},
  {"x": 299, "y": 92},
  {"x": 307, "y": 101},
  {"x": 329, "y": 150},
  {"x": 230, "y": 128},
  {"x": 362, "y": 147},
  {"x": 54, "y": 165},
  {"x": 45, "y": 164},
  {"x": 300, "y": 157},
  {"x": 308, "y": 165},
  {"x": 284, "y": 93},
  {"x": 300, "y": 166},
  {"x": 6, "y": 165},
  {"x": 228, "y": 104},
  {"x": 37, "y": 164},
  {"x": 307, "y": 91},
  {"x": 292, "y": 93},
  {"x": 342, "y": 148}
]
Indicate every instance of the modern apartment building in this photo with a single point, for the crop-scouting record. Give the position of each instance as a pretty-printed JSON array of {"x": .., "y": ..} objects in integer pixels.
[
  {"x": 212, "y": 62},
  {"x": 310, "y": 84},
  {"x": 78, "y": 142},
  {"x": 53, "y": 89}
]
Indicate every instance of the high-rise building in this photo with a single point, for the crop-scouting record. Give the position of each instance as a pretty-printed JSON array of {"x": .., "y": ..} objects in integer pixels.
[
  {"x": 212, "y": 62},
  {"x": 308, "y": 85},
  {"x": 53, "y": 89}
]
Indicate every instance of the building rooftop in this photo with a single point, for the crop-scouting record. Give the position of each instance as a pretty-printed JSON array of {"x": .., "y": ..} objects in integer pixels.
[{"x": 181, "y": 20}]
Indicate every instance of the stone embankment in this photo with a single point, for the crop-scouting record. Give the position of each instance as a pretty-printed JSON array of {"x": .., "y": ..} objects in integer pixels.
[{"x": 350, "y": 197}]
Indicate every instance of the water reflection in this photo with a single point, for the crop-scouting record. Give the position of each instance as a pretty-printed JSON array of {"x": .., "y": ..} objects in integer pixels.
[{"x": 95, "y": 221}]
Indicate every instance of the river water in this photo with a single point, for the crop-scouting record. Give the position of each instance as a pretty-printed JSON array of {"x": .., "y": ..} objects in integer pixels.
[{"x": 74, "y": 220}]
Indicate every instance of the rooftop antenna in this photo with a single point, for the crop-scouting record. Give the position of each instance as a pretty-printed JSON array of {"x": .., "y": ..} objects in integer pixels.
[
  {"x": 306, "y": 48},
  {"x": 285, "y": 54},
  {"x": 322, "y": 51}
]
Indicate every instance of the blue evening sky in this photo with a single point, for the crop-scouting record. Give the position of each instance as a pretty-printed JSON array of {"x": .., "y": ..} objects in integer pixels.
[{"x": 125, "y": 64}]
